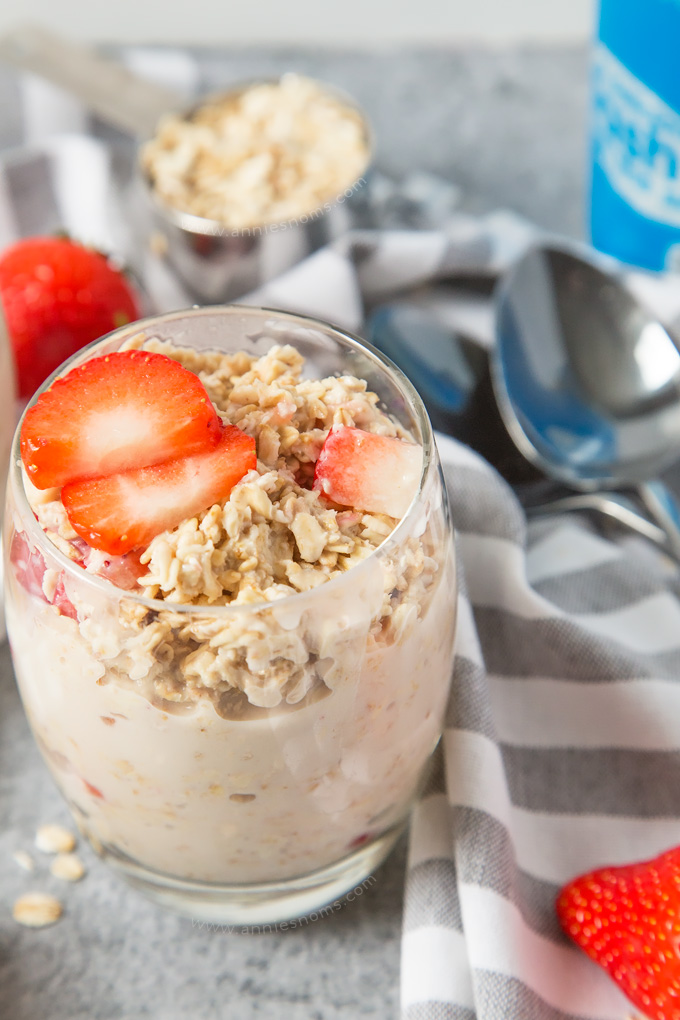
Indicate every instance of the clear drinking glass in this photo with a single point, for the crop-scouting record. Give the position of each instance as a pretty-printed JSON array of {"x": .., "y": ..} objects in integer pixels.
[{"x": 226, "y": 811}]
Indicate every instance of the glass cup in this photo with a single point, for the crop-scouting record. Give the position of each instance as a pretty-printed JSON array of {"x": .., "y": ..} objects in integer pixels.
[{"x": 222, "y": 809}]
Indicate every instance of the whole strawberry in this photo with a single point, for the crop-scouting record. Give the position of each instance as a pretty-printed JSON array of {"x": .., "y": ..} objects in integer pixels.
[
  {"x": 627, "y": 919},
  {"x": 57, "y": 297}
]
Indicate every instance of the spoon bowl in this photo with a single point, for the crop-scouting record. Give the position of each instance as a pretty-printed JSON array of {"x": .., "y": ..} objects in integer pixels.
[
  {"x": 587, "y": 381},
  {"x": 452, "y": 374}
]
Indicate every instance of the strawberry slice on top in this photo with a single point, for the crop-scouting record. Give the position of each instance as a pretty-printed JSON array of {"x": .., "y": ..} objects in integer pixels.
[
  {"x": 627, "y": 919},
  {"x": 368, "y": 472},
  {"x": 121, "y": 411},
  {"x": 126, "y": 510}
]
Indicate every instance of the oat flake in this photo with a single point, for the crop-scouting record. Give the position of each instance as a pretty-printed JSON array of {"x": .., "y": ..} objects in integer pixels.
[
  {"x": 36, "y": 910},
  {"x": 54, "y": 839},
  {"x": 24, "y": 860},
  {"x": 68, "y": 867}
]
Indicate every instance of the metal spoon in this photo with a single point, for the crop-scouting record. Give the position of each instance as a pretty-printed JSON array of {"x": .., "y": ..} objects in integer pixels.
[
  {"x": 588, "y": 381},
  {"x": 452, "y": 374}
]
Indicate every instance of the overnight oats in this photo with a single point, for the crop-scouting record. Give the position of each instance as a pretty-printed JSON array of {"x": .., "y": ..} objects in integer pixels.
[{"x": 231, "y": 604}]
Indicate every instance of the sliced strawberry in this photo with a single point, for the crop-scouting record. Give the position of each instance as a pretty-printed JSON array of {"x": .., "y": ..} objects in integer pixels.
[
  {"x": 29, "y": 566},
  {"x": 63, "y": 602},
  {"x": 123, "y": 571},
  {"x": 359, "y": 841},
  {"x": 368, "y": 472},
  {"x": 94, "y": 791},
  {"x": 627, "y": 920},
  {"x": 125, "y": 410},
  {"x": 125, "y": 511}
]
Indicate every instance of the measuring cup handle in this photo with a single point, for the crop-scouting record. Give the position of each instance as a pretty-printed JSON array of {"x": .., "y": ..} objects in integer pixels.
[{"x": 120, "y": 97}]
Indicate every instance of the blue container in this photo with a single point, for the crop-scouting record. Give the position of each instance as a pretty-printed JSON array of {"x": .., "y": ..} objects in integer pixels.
[{"x": 635, "y": 133}]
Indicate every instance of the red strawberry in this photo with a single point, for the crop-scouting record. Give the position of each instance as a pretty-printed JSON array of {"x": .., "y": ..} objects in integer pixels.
[
  {"x": 58, "y": 296},
  {"x": 122, "y": 571},
  {"x": 94, "y": 791},
  {"x": 125, "y": 511},
  {"x": 369, "y": 472},
  {"x": 62, "y": 601},
  {"x": 124, "y": 410},
  {"x": 29, "y": 566},
  {"x": 627, "y": 919}
]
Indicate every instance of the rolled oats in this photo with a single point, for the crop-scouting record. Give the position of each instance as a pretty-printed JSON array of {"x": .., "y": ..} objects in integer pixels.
[
  {"x": 24, "y": 860},
  {"x": 69, "y": 867},
  {"x": 36, "y": 910},
  {"x": 54, "y": 839},
  {"x": 268, "y": 154}
]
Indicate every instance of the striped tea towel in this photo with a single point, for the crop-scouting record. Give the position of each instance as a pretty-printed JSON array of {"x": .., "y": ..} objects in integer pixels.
[{"x": 560, "y": 754}]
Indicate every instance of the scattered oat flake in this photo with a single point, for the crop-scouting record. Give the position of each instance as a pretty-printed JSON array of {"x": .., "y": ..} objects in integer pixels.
[
  {"x": 68, "y": 866},
  {"x": 54, "y": 839},
  {"x": 24, "y": 860},
  {"x": 36, "y": 910}
]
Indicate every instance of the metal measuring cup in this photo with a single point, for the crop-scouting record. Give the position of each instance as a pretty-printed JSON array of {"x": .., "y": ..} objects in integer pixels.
[{"x": 214, "y": 262}]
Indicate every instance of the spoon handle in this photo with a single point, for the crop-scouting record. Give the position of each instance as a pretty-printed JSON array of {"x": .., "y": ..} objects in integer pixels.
[
  {"x": 611, "y": 505},
  {"x": 663, "y": 507},
  {"x": 122, "y": 98}
]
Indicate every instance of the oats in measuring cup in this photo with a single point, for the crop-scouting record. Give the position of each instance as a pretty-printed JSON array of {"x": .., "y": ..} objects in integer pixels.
[{"x": 269, "y": 153}]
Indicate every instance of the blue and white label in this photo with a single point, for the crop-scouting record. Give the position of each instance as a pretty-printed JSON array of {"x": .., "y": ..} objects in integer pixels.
[{"x": 636, "y": 140}]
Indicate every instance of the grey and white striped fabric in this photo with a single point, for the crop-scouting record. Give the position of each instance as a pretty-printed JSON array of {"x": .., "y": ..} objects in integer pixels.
[
  {"x": 561, "y": 753},
  {"x": 562, "y": 742}
]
